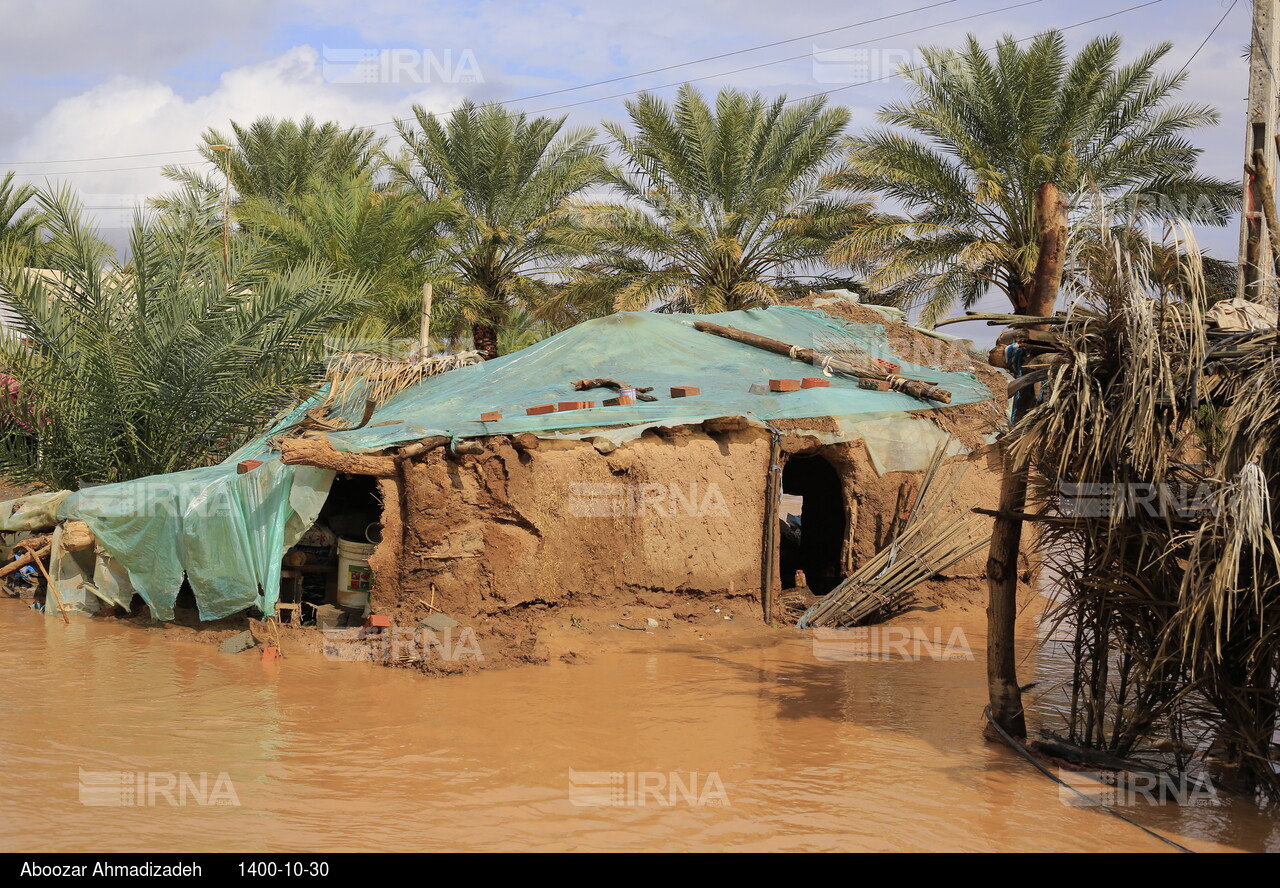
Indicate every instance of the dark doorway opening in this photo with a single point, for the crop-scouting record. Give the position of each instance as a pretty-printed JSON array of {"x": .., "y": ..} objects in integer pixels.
[{"x": 815, "y": 534}]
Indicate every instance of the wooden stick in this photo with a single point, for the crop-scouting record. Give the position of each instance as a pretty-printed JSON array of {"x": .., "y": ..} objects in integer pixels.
[
  {"x": 1026, "y": 381},
  {"x": 914, "y": 387},
  {"x": 21, "y": 562},
  {"x": 994, "y": 318},
  {"x": 62, "y": 608},
  {"x": 320, "y": 453},
  {"x": 424, "y": 332},
  {"x": 772, "y": 494}
]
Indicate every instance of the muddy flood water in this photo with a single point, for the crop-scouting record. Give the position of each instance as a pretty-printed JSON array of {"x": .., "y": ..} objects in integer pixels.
[{"x": 769, "y": 745}]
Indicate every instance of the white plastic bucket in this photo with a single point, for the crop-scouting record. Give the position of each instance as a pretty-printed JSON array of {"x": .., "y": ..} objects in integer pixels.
[{"x": 354, "y": 577}]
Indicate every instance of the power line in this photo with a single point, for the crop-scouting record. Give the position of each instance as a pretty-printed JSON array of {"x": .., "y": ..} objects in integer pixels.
[
  {"x": 723, "y": 55},
  {"x": 540, "y": 95},
  {"x": 1099, "y": 18},
  {"x": 646, "y": 89},
  {"x": 823, "y": 93},
  {"x": 1187, "y": 64},
  {"x": 963, "y": 18}
]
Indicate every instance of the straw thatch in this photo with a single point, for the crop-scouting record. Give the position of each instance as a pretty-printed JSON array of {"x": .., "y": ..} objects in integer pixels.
[{"x": 1157, "y": 444}]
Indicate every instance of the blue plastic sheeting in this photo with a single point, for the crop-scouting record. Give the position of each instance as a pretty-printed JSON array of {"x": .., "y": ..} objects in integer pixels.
[
  {"x": 226, "y": 532},
  {"x": 650, "y": 349}
]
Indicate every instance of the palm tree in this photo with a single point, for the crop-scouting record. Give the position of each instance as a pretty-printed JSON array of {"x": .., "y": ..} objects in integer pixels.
[
  {"x": 385, "y": 238},
  {"x": 722, "y": 206},
  {"x": 272, "y": 158},
  {"x": 18, "y": 226},
  {"x": 980, "y": 135},
  {"x": 504, "y": 181},
  {"x": 155, "y": 365}
]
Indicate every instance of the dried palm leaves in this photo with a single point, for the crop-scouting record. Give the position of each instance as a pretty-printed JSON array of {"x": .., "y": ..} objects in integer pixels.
[
  {"x": 1158, "y": 445},
  {"x": 359, "y": 383}
]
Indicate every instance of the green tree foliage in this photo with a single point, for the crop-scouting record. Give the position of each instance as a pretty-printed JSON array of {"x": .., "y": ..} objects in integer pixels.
[
  {"x": 19, "y": 223},
  {"x": 160, "y": 364},
  {"x": 504, "y": 181},
  {"x": 273, "y": 159},
  {"x": 722, "y": 206},
  {"x": 983, "y": 130}
]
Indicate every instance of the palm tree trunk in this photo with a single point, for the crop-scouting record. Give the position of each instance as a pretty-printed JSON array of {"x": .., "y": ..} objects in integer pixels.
[
  {"x": 1038, "y": 299},
  {"x": 484, "y": 337}
]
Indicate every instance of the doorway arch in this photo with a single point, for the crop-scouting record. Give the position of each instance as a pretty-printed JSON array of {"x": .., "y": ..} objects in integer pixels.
[{"x": 815, "y": 540}]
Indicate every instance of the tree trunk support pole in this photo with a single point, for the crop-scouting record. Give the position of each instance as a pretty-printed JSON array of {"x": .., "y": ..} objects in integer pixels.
[{"x": 1006, "y": 532}]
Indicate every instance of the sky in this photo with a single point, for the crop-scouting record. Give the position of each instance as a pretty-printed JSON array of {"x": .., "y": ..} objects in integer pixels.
[{"x": 99, "y": 96}]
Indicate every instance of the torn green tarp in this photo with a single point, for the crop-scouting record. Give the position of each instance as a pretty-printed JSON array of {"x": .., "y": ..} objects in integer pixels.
[
  {"x": 226, "y": 532},
  {"x": 34, "y": 512}
]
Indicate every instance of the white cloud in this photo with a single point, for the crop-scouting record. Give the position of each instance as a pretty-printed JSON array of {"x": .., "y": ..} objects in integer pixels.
[{"x": 128, "y": 115}]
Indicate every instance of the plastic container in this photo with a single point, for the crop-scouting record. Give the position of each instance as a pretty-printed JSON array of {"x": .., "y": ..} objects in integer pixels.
[
  {"x": 355, "y": 580},
  {"x": 318, "y": 542}
]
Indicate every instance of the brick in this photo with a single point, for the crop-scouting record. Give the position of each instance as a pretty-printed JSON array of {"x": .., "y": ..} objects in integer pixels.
[
  {"x": 685, "y": 391},
  {"x": 879, "y": 385},
  {"x": 541, "y": 409},
  {"x": 378, "y": 621},
  {"x": 492, "y": 416},
  {"x": 271, "y": 652},
  {"x": 815, "y": 382},
  {"x": 784, "y": 385},
  {"x": 575, "y": 405},
  {"x": 620, "y": 401},
  {"x": 888, "y": 366},
  {"x": 247, "y": 465}
]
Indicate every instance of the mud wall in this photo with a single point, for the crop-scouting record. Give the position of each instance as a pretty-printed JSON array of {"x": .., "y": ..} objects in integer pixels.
[
  {"x": 565, "y": 523},
  {"x": 682, "y": 512}
]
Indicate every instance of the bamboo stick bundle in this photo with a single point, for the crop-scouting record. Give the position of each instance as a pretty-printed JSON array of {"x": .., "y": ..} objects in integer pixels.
[{"x": 928, "y": 544}]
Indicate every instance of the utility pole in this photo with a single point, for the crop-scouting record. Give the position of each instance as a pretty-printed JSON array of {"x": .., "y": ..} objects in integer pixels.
[
  {"x": 1257, "y": 277},
  {"x": 225, "y": 150},
  {"x": 424, "y": 333}
]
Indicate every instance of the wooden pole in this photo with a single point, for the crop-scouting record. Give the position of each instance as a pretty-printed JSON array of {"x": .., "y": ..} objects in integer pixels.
[
  {"x": 424, "y": 333},
  {"x": 772, "y": 496},
  {"x": 57, "y": 596},
  {"x": 914, "y": 387},
  {"x": 1256, "y": 273},
  {"x": 1006, "y": 532}
]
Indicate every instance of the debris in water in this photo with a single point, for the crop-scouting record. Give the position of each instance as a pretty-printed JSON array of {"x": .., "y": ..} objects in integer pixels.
[{"x": 238, "y": 643}]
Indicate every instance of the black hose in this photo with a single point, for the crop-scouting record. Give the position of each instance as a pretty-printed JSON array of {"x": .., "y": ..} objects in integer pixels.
[{"x": 1056, "y": 779}]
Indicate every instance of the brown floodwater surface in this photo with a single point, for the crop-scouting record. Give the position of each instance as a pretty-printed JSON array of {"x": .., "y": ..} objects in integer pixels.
[{"x": 731, "y": 746}]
